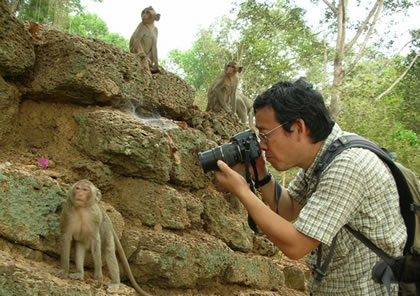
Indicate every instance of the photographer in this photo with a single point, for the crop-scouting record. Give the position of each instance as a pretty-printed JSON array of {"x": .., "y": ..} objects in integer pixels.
[{"x": 357, "y": 189}]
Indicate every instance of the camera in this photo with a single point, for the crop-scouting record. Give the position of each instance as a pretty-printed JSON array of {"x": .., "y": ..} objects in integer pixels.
[{"x": 232, "y": 153}]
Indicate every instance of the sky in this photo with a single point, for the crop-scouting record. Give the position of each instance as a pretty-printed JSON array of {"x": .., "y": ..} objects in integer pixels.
[{"x": 181, "y": 20}]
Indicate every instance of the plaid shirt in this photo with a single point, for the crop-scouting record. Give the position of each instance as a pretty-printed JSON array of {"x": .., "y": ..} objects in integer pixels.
[{"x": 357, "y": 189}]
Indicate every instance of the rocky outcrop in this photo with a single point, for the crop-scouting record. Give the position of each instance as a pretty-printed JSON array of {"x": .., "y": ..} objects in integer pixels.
[
  {"x": 93, "y": 112},
  {"x": 15, "y": 43}
]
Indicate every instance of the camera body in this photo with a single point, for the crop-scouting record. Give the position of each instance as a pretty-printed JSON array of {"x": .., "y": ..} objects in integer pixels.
[{"x": 232, "y": 153}]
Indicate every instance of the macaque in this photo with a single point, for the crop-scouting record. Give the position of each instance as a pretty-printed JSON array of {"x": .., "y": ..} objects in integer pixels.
[
  {"x": 244, "y": 109},
  {"x": 85, "y": 222},
  {"x": 144, "y": 39},
  {"x": 222, "y": 92}
]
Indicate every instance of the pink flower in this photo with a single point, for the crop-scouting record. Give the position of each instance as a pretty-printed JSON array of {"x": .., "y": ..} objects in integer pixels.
[{"x": 44, "y": 162}]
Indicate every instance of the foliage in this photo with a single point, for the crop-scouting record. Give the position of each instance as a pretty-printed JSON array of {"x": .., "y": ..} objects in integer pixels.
[
  {"x": 51, "y": 12},
  {"x": 269, "y": 39},
  {"x": 274, "y": 43},
  {"x": 201, "y": 63},
  {"x": 409, "y": 90},
  {"x": 383, "y": 121},
  {"x": 90, "y": 25},
  {"x": 363, "y": 26},
  {"x": 67, "y": 16}
]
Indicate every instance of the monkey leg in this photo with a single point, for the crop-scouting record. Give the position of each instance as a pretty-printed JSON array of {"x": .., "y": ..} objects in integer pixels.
[
  {"x": 97, "y": 258},
  {"x": 80, "y": 260},
  {"x": 112, "y": 264},
  {"x": 65, "y": 255}
]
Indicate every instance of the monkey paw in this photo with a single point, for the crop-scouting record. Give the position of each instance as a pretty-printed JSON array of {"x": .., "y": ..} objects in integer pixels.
[
  {"x": 99, "y": 277},
  {"x": 77, "y": 276},
  {"x": 113, "y": 288},
  {"x": 62, "y": 274}
]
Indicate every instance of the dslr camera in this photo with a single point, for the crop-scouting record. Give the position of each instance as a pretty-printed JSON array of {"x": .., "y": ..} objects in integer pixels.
[{"x": 242, "y": 145}]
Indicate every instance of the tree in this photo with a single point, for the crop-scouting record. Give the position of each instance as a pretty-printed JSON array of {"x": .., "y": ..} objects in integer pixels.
[
  {"x": 90, "y": 25},
  {"x": 202, "y": 62},
  {"x": 52, "y": 12},
  {"x": 269, "y": 39},
  {"x": 349, "y": 52},
  {"x": 273, "y": 43},
  {"x": 67, "y": 16}
]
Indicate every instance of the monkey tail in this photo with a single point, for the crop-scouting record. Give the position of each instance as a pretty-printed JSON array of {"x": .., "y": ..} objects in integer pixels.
[{"x": 127, "y": 266}]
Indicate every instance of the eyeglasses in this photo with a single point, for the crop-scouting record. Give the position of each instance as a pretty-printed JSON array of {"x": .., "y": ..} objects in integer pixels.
[{"x": 264, "y": 136}]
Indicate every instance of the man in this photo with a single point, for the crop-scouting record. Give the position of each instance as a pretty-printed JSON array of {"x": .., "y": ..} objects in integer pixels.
[{"x": 355, "y": 189}]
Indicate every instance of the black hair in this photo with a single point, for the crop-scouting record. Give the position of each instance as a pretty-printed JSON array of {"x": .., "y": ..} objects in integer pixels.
[{"x": 293, "y": 100}]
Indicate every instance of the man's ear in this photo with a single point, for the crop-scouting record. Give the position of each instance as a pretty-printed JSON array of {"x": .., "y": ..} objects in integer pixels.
[{"x": 300, "y": 128}]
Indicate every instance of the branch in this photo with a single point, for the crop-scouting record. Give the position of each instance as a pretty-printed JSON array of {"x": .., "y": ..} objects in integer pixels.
[
  {"x": 331, "y": 7},
  {"x": 369, "y": 33},
  {"x": 385, "y": 66},
  {"x": 365, "y": 23},
  {"x": 398, "y": 80},
  {"x": 324, "y": 76}
]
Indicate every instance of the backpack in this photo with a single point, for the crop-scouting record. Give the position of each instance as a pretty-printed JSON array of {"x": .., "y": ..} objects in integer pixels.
[{"x": 405, "y": 269}]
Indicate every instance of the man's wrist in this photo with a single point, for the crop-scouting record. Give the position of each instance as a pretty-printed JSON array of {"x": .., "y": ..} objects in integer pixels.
[{"x": 263, "y": 181}]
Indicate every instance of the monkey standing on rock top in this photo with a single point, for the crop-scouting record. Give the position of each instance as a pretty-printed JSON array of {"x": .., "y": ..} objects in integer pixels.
[
  {"x": 222, "y": 92},
  {"x": 144, "y": 39},
  {"x": 85, "y": 222}
]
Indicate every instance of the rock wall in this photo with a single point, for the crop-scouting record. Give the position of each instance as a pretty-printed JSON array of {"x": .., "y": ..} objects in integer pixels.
[{"x": 93, "y": 112}]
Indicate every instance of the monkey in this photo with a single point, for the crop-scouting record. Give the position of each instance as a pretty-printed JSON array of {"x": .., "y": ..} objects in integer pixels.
[
  {"x": 222, "y": 92},
  {"x": 85, "y": 222},
  {"x": 144, "y": 39},
  {"x": 244, "y": 109}
]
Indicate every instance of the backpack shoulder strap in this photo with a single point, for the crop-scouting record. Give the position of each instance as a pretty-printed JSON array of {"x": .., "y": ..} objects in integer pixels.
[{"x": 405, "y": 196}]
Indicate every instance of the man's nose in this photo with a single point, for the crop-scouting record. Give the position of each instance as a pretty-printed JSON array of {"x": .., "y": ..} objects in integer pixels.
[{"x": 263, "y": 145}]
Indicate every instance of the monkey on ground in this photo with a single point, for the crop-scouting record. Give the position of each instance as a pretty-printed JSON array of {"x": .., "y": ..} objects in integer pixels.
[
  {"x": 222, "y": 92},
  {"x": 144, "y": 39},
  {"x": 244, "y": 109},
  {"x": 85, "y": 222}
]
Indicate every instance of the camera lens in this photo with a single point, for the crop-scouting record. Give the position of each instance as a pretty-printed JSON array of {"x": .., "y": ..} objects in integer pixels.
[{"x": 229, "y": 153}]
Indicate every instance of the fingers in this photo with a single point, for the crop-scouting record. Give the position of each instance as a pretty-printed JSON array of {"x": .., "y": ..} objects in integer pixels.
[{"x": 222, "y": 165}]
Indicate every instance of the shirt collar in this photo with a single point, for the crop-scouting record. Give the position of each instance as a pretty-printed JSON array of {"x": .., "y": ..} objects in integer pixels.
[{"x": 336, "y": 132}]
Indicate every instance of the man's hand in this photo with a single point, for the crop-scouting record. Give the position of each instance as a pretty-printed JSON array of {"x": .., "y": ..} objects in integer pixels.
[{"x": 230, "y": 179}]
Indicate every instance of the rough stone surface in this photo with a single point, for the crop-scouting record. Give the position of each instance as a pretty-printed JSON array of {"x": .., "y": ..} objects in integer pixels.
[
  {"x": 15, "y": 45},
  {"x": 9, "y": 105},
  {"x": 84, "y": 71}
]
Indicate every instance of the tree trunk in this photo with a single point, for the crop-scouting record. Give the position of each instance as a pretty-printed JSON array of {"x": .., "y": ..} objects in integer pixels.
[
  {"x": 15, "y": 6},
  {"x": 334, "y": 107}
]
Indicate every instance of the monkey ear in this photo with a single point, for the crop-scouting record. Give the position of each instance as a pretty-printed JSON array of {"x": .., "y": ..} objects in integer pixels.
[
  {"x": 240, "y": 69},
  {"x": 157, "y": 17},
  {"x": 70, "y": 193},
  {"x": 98, "y": 195}
]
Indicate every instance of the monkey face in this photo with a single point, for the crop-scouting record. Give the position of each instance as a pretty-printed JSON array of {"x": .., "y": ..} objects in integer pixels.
[
  {"x": 232, "y": 68},
  {"x": 82, "y": 194},
  {"x": 149, "y": 15}
]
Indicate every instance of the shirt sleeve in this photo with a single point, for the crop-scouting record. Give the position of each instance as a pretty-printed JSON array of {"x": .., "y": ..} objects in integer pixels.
[{"x": 297, "y": 187}]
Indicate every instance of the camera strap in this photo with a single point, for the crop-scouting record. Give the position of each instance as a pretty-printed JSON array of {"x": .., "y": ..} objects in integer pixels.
[{"x": 247, "y": 161}]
